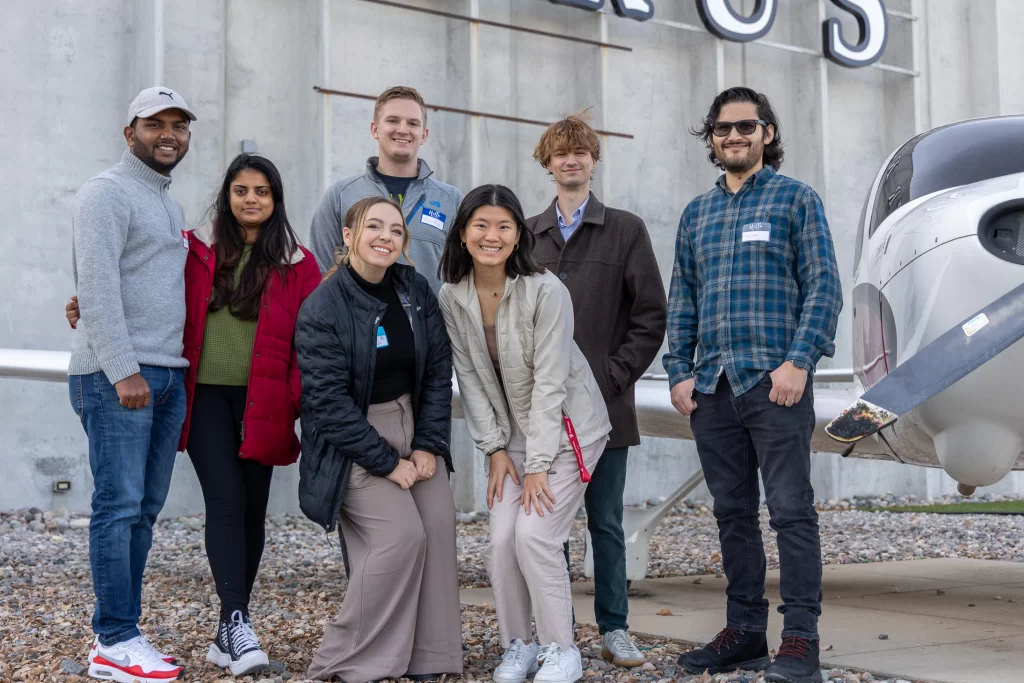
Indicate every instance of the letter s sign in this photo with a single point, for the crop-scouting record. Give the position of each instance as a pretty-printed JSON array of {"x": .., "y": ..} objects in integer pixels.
[{"x": 874, "y": 29}]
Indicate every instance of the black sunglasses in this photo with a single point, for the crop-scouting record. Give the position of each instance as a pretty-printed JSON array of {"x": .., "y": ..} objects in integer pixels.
[{"x": 745, "y": 127}]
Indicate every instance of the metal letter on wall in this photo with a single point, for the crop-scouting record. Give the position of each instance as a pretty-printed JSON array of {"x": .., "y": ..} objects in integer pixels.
[
  {"x": 592, "y": 5},
  {"x": 722, "y": 20},
  {"x": 874, "y": 33},
  {"x": 641, "y": 10}
]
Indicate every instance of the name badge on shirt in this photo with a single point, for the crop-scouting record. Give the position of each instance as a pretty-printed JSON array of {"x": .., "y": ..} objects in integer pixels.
[
  {"x": 382, "y": 337},
  {"x": 184, "y": 239},
  {"x": 757, "y": 232},
  {"x": 433, "y": 218}
]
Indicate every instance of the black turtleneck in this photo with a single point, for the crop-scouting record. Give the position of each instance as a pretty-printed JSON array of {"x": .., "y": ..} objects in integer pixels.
[{"x": 395, "y": 371}]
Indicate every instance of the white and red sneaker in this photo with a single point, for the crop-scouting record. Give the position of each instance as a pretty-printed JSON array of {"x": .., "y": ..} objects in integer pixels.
[
  {"x": 167, "y": 658},
  {"x": 133, "y": 661}
]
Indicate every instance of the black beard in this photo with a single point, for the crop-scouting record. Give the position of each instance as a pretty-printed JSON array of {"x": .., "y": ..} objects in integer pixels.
[
  {"x": 147, "y": 157},
  {"x": 744, "y": 164}
]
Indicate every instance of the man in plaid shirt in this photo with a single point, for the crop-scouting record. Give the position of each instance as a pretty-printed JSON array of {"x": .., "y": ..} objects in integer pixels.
[{"x": 754, "y": 301}]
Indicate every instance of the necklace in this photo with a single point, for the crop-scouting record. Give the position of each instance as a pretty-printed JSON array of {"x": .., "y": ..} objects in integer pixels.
[{"x": 481, "y": 290}]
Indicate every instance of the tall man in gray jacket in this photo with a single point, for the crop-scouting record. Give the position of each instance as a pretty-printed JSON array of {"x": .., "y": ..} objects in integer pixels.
[
  {"x": 400, "y": 127},
  {"x": 126, "y": 377}
]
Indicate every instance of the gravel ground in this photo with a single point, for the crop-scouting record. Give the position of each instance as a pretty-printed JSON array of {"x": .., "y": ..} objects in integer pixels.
[{"x": 45, "y": 586}]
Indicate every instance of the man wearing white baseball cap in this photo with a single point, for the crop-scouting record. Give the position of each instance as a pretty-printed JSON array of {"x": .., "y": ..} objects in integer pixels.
[{"x": 126, "y": 377}]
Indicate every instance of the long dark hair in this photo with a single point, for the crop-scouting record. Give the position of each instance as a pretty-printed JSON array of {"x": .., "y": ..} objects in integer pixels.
[
  {"x": 773, "y": 152},
  {"x": 271, "y": 251},
  {"x": 456, "y": 263}
]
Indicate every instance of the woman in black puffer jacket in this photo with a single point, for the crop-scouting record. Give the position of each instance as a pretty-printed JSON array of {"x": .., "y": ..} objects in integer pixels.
[{"x": 376, "y": 370}]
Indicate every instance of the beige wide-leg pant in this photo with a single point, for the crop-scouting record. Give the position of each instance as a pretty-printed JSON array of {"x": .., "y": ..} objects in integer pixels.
[
  {"x": 401, "y": 612},
  {"x": 525, "y": 558}
]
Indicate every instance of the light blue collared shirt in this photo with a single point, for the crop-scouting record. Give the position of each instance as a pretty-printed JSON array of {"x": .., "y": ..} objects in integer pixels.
[{"x": 577, "y": 217}]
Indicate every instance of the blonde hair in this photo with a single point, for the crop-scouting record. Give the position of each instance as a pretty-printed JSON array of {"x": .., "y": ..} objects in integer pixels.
[
  {"x": 571, "y": 133},
  {"x": 399, "y": 92},
  {"x": 355, "y": 220}
]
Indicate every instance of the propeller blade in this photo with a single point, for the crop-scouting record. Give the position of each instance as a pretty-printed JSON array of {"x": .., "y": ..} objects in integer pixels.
[{"x": 946, "y": 360}]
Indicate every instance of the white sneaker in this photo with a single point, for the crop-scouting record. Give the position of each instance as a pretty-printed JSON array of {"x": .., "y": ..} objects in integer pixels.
[
  {"x": 558, "y": 665},
  {"x": 133, "y": 661},
  {"x": 236, "y": 647},
  {"x": 619, "y": 649},
  {"x": 167, "y": 658},
  {"x": 518, "y": 662}
]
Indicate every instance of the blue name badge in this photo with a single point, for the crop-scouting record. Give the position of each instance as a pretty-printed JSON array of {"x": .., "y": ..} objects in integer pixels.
[
  {"x": 757, "y": 232},
  {"x": 382, "y": 337},
  {"x": 433, "y": 218}
]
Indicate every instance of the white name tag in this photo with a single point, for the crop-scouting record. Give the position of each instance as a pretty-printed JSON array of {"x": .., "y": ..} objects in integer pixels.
[
  {"x": 757, "y": 232},
  {"x": 974, "y": 324},
  {"x": 433, "y": 218}
]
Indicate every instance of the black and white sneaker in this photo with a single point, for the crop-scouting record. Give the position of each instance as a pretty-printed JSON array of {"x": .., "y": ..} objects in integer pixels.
[{"x": 236, "y": 647}]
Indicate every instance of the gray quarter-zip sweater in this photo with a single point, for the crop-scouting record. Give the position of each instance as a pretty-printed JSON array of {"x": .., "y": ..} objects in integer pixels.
[
  {"x": 129, "y": 260},
  {"x": 429, "y": 207}
]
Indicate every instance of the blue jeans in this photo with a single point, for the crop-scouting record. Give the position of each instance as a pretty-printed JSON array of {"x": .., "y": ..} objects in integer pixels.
[
  {"x": 131, "y": 454},
  {"x": 736, "y": 436}
]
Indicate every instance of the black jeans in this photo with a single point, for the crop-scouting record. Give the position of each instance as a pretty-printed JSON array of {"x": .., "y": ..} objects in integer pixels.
[
  {"x": 734, "y": 436},
  {"x": 603, "y": 501},
  {"x": 235, "y": 490}
]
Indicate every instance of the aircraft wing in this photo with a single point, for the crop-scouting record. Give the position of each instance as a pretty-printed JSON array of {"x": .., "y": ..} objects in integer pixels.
[{"x": 657, "y": 417}]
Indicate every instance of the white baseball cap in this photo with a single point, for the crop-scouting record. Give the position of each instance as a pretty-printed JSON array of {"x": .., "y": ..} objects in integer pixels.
[{"x": 154, "y": 100}]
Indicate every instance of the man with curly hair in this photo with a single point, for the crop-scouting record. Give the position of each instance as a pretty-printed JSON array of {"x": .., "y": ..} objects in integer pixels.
[{"x": 753, "y": 305}]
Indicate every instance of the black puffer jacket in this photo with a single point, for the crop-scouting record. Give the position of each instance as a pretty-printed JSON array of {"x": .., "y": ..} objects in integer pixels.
[{"x": 336, "y": 341}]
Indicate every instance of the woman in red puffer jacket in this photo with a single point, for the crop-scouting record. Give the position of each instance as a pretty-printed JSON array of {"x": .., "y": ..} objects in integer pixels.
[{"x": 245, "y": 278}]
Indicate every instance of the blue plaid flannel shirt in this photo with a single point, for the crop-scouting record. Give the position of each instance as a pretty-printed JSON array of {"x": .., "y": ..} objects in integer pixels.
[{"x": 754, "y": 284}]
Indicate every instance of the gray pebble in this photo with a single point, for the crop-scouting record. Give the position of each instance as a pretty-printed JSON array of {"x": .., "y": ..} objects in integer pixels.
[
  {"x": 36, "y": 525},
  {"x": 883, "y": 636},
  {"x": 72, "y": 668}
]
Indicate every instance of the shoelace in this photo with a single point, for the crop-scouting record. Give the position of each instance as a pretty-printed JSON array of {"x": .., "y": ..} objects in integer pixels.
[
  {"x": 141, "y": 650},
  {"x": 144, "y": 641},
  {"x": 794, "y": 646},
  {"x": 726, "y": 638},
  {"x": 516, "y": 653},
  {"x": 620, "y": 640},
  {"x": 243, "y": 638},
  {"x": 548, "y": 652}
]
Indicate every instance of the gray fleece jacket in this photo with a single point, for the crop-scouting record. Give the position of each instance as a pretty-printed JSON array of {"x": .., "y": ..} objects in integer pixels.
[
  {"x": 429, "y": 207},
  {"x": 129, "y": 261}
]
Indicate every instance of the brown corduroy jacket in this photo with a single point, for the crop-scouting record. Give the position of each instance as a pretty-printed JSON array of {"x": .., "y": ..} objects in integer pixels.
[{"x": 618, "y": 299}]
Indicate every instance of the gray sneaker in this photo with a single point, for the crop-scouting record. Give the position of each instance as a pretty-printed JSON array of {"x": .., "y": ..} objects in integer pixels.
[{"x": 619, "y": 649}]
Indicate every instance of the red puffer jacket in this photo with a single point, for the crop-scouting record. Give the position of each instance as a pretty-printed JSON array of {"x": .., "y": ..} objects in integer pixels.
[{"x": 268, "y": 426}]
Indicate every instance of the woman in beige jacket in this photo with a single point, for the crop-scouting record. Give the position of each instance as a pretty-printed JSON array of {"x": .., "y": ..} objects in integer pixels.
[{"x": 525, "y": 388}]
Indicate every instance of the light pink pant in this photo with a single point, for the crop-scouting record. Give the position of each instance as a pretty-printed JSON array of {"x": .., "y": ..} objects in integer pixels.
[{"x": 525, "y": 558}]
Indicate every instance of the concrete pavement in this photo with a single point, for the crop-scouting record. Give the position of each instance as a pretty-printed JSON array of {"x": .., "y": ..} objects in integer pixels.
[{"x": 953, "y": 620}]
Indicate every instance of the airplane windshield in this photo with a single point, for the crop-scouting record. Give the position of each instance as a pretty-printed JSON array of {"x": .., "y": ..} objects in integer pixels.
[{"x": 954, "y": 155}]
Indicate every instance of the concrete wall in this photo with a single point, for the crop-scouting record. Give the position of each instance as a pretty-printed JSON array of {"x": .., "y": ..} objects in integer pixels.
[{"x": 248, "y": 67}]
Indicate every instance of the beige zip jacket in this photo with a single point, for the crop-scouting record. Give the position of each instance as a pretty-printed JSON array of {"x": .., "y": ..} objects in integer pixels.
[{"x": 544, "y": 372}]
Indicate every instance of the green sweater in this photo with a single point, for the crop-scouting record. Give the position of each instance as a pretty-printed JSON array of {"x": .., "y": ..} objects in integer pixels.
[{"x": 227, "y": 343}]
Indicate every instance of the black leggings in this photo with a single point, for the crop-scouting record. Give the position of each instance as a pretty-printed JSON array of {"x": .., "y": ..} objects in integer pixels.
[{"x": 235, "y": 491}]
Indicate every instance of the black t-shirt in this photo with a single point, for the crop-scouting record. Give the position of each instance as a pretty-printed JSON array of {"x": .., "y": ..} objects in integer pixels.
[
  {"x": 396, "y": 185},
  {"x": 395, "y": 371}
]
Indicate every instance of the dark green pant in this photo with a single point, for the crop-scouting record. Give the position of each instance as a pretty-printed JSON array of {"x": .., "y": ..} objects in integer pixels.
[{"x": 603, "y": 501}]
